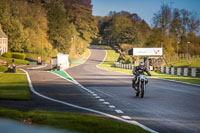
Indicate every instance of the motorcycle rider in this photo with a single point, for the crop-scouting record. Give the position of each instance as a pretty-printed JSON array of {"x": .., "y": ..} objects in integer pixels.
[{"x": 138, "y": 70}]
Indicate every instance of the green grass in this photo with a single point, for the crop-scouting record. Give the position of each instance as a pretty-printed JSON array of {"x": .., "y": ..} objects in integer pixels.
[
  {"x": 75, "y": 61},
  {"x": 14, "y": 87},
  {"x": 16, "y": 61},
  {"x": 112, "y": 57},
  {"x": 192, "y": 80},
  {"x": 3, "y": 68},
  {"x": 193, "y": 63},
  {"x": 71, "y": 121}
]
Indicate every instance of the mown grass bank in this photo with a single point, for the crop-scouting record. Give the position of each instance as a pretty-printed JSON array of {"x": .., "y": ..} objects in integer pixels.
[
  {"x": 70, "y": 121},
  {"x": 16, "y": 61},
  {"x": 14, "y": 86},
  {"x": 3, "y": 68},
  {"x": 75, "y": 61},
  {"x": 112, "y": 57},
  {"x": 192, "y": 63}
]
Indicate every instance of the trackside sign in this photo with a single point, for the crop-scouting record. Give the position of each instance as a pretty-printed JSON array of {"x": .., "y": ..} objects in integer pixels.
[{"x": 147, "y": 51}]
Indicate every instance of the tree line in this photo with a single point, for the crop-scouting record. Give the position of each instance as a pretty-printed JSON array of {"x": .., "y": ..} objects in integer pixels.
[
  {"x": 171, "y": 29},
  {"x": 48, "y": 26}
]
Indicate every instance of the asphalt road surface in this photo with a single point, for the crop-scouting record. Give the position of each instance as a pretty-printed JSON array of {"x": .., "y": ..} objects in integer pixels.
[{"x": 166, "y": 107}]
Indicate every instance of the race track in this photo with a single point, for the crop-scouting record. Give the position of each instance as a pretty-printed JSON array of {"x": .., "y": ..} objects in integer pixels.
[{"x": 166, "y": 107}]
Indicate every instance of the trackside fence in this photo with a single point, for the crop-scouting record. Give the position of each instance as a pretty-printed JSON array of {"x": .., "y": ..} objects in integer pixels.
[
  {"x": 124, "y": 66},
  {"x": 188, "y": 72}
]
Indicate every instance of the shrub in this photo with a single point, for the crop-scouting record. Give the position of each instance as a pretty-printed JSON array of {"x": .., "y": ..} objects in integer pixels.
[
  {"x": 8, "y": 55},
  {"x": 15, "y": 55},
  {"x": 19, "y": 56},
  {"x": 127, "y": 60}
]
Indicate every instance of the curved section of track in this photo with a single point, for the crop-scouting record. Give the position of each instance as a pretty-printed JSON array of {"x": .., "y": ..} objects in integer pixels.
[{"x": 167, "y": 106}]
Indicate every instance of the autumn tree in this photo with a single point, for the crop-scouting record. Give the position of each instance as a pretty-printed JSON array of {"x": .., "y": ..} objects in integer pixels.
[
  {"x": 59, "y": 28},
  {"x": 81, "y": 18},
  {"x": 176, "y": 27}
]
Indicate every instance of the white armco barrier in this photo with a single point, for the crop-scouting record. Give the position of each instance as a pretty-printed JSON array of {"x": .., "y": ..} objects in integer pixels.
[{"x": 62, "y": 61}]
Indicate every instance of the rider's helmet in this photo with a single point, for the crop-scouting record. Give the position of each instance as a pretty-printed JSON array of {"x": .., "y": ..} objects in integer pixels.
[{"x": 141, "y": 64}]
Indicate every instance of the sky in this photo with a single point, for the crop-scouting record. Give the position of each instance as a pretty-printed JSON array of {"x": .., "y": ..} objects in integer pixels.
[{"x": 144, "y": 8}]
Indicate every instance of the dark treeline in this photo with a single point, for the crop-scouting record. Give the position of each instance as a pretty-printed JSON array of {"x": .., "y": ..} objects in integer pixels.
[
  {"x": 171, "y": 29},
  {"x": 48, "y": 26}
]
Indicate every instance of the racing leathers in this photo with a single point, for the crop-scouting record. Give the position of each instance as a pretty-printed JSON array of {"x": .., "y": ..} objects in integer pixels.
[{"x": 138, "y": 70}]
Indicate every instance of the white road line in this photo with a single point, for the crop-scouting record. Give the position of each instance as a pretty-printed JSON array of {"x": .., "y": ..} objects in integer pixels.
[
  {"x": 126, "y": 117},
  {"x": 103, "y": 92},
  {"x": 102, "y": 100},
  {"x": 176, "y": 81},
  {"x": 94, "y": 94},
  {"x": 82, "y": 62},
  {"x": 119, "y": 111},
  {"x": 106, "y": 103},
  {"x": 111, "y": 106},
  {"x": 97, "y": 97},
  {"x": 37, "y": 67},
  {"x": 87, "y": 109},
  {"x": 104, "y": 57}
]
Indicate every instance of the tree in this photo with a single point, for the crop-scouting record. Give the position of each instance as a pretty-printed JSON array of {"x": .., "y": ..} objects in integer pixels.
[
  {"x": 11, "y": 25},
  {"x": 86, "y": 26},
  {"x": 59, "y": 28},
  {"x": 129, "y": 36},
  {"x": 162, "y": 19}
]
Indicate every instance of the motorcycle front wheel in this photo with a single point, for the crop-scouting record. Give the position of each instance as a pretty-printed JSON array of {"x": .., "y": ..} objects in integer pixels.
[{"x": 142, "y": 90}]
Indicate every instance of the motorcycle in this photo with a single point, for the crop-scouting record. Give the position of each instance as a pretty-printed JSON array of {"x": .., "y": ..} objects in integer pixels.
[{"x": 140, "y": 85}]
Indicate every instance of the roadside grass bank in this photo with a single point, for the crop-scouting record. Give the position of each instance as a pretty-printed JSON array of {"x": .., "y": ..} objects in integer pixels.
[
  {"x": 80, "y": 60},
  {"x": 71, "y": 121},
  {"x": 192, "y": 63},
  {"x": 192, "y": 80},
  {"x": 14, "y": 87},
  {"x": 16, "y": 61},
  {"x": 112, "y": 57},
  {"x": 4, "y": 69}
]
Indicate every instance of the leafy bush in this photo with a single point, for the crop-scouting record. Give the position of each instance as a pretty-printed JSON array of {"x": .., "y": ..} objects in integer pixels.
[
  {"x": 19, "y": 56},
  {"x": 125, "y": 59},
  {"x": 8, "y": 55},
  {"x": 15, "y": 55}
]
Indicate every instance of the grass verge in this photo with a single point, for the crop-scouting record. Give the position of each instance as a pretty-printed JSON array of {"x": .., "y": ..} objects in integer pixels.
[
  {"x": 14, "y": 87},
  {"x": 16, "y": 61},
  {"x": 80, "y": 60},
  {"x": 73, "y": 122},
  {"x": 192, "y": 80},
  {"x": 3, "y": 68},
  {"x": 193, "y": 63},
  {"x": 112, "y": 57}
]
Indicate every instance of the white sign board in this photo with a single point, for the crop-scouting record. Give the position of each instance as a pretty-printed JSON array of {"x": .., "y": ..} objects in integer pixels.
[
  {"x": 62, "y": 61},
  {"x": 147, "y": 51}
]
